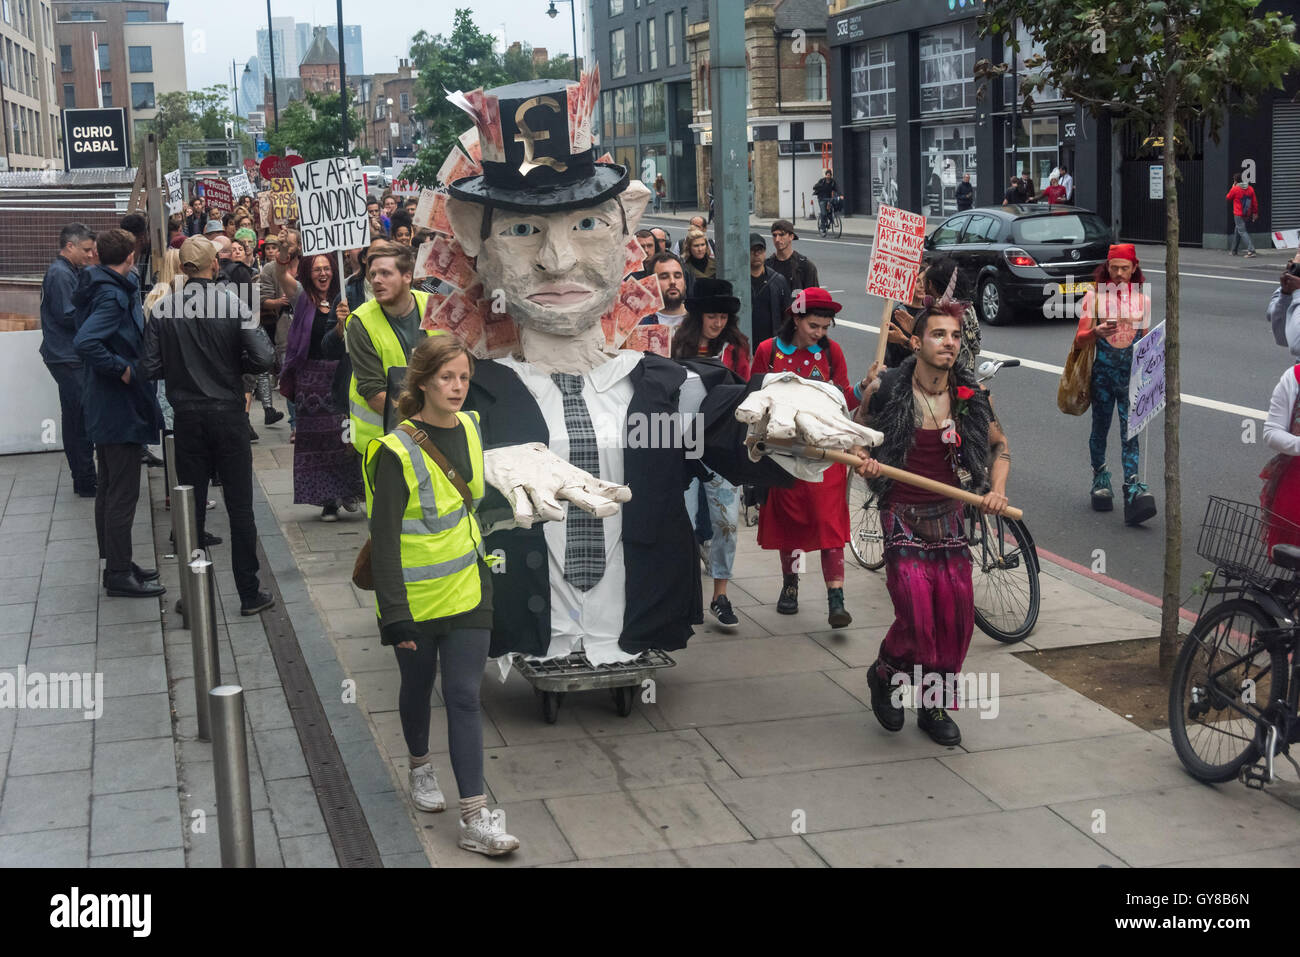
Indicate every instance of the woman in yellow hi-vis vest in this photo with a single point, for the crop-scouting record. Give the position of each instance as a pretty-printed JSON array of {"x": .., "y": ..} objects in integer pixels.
[{"x": 433, "y": 586}]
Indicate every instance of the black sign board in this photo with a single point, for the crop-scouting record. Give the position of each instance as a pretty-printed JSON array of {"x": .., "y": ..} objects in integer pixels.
[{"x": 95, "y": 139}]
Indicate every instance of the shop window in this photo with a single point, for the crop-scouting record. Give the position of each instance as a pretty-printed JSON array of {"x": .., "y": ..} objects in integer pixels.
[
  {"x": 947, "y": 63},
  {"x": 652, "y": 108},
  {"x": 871, "y": 80},
  {"x": 947, "y": 154}
]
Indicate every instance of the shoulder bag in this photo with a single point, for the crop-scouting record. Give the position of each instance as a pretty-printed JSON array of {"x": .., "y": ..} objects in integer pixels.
[
  {"x": 362, "y": 573},
  {"x": 1074, "y": 394}
]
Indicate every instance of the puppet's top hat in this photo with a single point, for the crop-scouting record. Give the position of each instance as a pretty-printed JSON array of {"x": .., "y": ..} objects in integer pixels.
[{"x": 540, "y": 173}]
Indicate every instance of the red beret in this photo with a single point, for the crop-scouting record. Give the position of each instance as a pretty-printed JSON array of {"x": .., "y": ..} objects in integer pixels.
[{"x": 1123, "y": 251}]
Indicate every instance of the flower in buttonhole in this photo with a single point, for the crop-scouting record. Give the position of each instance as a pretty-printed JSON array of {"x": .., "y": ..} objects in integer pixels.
[{"x": 964, "y": 394}]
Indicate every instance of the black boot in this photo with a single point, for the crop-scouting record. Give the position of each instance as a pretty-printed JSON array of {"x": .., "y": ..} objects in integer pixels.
[
  {"x": 1102, "y": 497},
  {"x": 271, "y": 415},
  {"x": 788, "y": 603},
  {"x": 126, "y": 585},
  {"x": 839, "y": 616},
  {"x": 938, "y": 724},
  {"x": 141, "y": 574},
  {"x": 1139, "y": 504},
  {"x": 887, "y": 713}
]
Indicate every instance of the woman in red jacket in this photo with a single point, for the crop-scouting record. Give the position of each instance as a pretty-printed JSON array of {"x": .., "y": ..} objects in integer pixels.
[
  {"x": 711, "y": 329},
  {"x": 810, "y": 516}
]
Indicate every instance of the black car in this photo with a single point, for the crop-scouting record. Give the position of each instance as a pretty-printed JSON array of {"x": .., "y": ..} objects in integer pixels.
[{"x": 1021, "y": 257}]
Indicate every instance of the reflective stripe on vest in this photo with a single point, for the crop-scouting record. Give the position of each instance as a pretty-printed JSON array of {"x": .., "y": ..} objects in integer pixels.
[
  {"x": 367, "y": 424},
  {"x": 431, "y": 523}
]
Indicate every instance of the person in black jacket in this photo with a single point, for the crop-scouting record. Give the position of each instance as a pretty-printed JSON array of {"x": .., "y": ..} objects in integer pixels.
[
  {"x": 965, "y": 194},
  {"x": 201, "y": 341},
  {"x": 121, "y": 406},
  {"x": 797, "y": 268},
  {"x": 769, "y": 293},
  {"x": 58, "y": 326}
]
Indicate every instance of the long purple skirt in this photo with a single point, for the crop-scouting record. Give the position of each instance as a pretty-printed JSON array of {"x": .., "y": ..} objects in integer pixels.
[{"x": 326, "y": 468}]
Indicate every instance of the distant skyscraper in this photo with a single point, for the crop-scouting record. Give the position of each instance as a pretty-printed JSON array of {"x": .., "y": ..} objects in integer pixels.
[
  {"x": 251, "y": 87},
  {"x": 302, "y": 33},
  {"x": 352, "y": 58},
  {"x": 287, "y": 51}
]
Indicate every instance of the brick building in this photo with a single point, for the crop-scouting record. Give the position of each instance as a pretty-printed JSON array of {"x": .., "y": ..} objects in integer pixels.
[{"x": 319, "y": 69}]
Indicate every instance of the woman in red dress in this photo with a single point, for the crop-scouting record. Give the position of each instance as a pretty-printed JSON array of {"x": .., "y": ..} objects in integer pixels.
[{"x": 810, "y": 516}]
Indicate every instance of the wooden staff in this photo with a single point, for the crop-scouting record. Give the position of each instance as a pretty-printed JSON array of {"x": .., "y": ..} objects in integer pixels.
[
  {"x": 898, "y": 475},
  {"x": 883, "y": 344}
]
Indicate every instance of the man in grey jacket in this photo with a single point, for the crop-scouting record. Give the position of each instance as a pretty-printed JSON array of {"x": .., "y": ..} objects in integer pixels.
[{"x": 1284, "y": 309}]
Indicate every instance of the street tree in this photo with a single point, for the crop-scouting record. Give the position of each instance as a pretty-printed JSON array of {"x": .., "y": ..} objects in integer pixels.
[
  {"x": 311, "y": 126},
  {"x": 1158, "y": 64},
  {"x": 192, "y": 115}
]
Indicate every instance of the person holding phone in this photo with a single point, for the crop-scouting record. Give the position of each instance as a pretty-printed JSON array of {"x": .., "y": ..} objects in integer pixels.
[
  {"x": 1114, "y": 314},
  {"x": 1284, "y": 308}
]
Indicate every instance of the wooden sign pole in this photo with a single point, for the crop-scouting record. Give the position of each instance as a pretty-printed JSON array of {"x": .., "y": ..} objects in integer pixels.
[{"x": 886, "y": 316}]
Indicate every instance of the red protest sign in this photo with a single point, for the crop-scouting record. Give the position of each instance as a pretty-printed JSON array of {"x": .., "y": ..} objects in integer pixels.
[
  {"x": 218, "y": 195},
  {"x": 278, "y": 167},
  {"x": 896, "y": 254}
]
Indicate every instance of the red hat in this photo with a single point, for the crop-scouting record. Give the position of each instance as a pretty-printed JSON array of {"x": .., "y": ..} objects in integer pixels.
[
  {"x": 814, "y": 297},
  {"x": 1123, "y": 251}
]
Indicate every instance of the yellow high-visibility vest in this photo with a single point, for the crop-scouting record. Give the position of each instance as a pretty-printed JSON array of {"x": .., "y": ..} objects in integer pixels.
[
  {"x": 367, "y": 424},
  {"x": 441, "y": 542}
]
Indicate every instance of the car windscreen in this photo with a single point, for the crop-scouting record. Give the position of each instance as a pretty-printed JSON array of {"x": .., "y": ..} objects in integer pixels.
[{"x": 1064, "y": 228}]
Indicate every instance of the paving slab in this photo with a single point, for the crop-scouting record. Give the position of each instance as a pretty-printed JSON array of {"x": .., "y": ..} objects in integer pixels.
[
  {"x": 138, "y": 765},
  {"x": 1034, "y": 837},
  {"x": 47, "y": 748},
  {"x": 64, "y": 629},
  {"x": 64, "y": 847},
  {"x": 145, "y": 820},
  {"x": 644, "y": 821},
  {"x": 540, "y": 840},
  {"x": 684, "y": 704},
  {"x": 173, "y": 857},
  {"x": 45, "y": 802},
  {"x": 295, "y": 807},
  {"x": 133, "y": 718},
  {"x": 751, "y": 658},
  {"x": 780, "y": 852},
  {"x": 146, "y": 674},
  {"x": 1041, "y": 718}
]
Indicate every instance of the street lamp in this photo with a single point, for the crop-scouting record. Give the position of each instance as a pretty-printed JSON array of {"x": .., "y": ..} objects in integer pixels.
[
  {"x": 573, "y": 19},
  {"x": 388, "y": 115}
]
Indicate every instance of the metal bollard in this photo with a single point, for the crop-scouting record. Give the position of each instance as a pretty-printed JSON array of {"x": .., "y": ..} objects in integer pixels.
[
  {"x": 185, "y": 531},
  {"x": 203, "y": 639},
  {"x": 230, "y": 765},
  {"x": 169, "y": 465}
]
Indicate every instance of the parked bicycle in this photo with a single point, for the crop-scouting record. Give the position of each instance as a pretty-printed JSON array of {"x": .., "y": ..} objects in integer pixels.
[
  {"x": 829, "y": 218},
  {"x": 1236, "y": 683},
  {"x": 1004, "y": 559}
]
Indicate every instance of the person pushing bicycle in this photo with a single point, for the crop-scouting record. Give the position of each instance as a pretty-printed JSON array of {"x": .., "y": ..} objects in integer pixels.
[{"x": 825, "y": 190}]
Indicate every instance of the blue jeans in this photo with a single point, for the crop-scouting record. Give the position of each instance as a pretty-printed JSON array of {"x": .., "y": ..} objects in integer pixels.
[
  {"x": 724, "y": 514},
  {"x": 1239, "y": 235}
]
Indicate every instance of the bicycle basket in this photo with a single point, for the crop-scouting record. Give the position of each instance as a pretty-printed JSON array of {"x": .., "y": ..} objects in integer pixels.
[
  {"x": 838, "y": 204},
  {"x": 1234, "y": 536}
]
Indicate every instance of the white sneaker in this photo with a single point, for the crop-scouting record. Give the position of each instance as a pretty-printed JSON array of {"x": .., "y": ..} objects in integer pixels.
[
  {"x": 424, "y": 789},
  {"x": 486, "y": 836}
]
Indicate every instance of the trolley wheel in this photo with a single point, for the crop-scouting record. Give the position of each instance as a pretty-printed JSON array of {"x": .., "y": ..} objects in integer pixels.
[
  {"x": 551, "y": 705},
  {"x": 623, "y": 698}
]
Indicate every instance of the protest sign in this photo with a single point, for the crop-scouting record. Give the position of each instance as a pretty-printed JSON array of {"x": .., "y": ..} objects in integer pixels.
[
  {"x": 401, "y": 185},
  {"x": 240, "y": 186},
  {"x": 331, "y": 205},
  {"x": 278, "y": 167},
  {"x": 175, "y": 198},
  {"x": 1146, "y": 383},
  {"x": 895, "y": 259},
  {"x": 1286, "y": 238},
  {"x": 284, "y": 205},
  {"x": 217, "y": 195}
]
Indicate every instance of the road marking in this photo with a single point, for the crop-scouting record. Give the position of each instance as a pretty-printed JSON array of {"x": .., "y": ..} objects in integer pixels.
[
  {"x": 1202, "y": 275},
  {"x": 1196, "y": 400}
]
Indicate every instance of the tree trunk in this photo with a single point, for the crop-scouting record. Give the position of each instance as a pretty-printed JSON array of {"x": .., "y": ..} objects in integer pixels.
[{"x": 1170, "y": 604}]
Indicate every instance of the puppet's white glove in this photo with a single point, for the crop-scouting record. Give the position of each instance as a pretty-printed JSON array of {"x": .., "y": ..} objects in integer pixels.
[
  {"x": 806, "y": 411},
  {"x": 535, "y": 481}
]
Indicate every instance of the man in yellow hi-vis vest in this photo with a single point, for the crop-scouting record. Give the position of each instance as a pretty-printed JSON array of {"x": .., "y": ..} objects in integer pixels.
[{"x": 380, "y": 335}]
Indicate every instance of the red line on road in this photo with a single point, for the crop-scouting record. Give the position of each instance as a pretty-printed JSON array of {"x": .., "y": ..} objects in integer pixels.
[{"x": 1110, "y": 582}]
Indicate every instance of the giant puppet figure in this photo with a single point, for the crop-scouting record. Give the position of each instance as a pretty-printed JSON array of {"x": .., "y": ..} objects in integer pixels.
[{"x": 598, "y": 551}]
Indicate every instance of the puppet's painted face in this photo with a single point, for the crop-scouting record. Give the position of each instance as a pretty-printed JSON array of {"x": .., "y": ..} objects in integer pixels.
[{"x": 559, "y": 271}]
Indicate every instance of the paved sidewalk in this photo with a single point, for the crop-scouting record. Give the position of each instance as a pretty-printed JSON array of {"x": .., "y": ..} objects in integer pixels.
[{"x": 758, "y": 748}]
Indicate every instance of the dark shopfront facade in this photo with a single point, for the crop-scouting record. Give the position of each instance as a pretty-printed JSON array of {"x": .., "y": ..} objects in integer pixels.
[{"x": 906, "y": 124}]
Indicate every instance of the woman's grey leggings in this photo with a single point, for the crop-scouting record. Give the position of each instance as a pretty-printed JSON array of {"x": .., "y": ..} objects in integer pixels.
[{"x": 464, "y": 656}]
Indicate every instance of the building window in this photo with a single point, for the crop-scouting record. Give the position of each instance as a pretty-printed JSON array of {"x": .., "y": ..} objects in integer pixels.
[
  {"x": 653, "y": 116},
  {"x": 640, "y": 48},
  {"x": 947, "y": 58},
  {"x": 406, "y": 102},
  {"x": 65, "y": 57},
  {"x": 651, "y": 45},
  {"x": 615, "y": 8},
  {"x": 706, "y": 98},
  {"x": 947, "y": 154},
  {"x": 107, "y": 89},
  {"x": 4, "y": 10},
  {"x": 814, "y": 66},
  {"x": 1037, "y": 149},
  {"x": 872, "y": 80},
  {"x": 1028, "y": 48},
  {"x": 69, "y": 96},
  {"x": 617, "y": 54},
  {"x": 74, "y": 14},
  {"x": 142, "y": 96},
  {"x": 137, "y": 16},
  {"x": 670, "y": 33},
  {"x": 607, "y": 114},
  {"x": 141, "y": 59},
  {"x": 103, "y": 57},
  {"x": 625, "y": 111}
]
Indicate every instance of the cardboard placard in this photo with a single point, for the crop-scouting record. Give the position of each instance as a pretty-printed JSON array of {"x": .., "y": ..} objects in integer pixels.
[
  {"x": 896, "y": 254},
  {"x": 331, "y": 205},
  {"x": 284, "y": 205},
  {"x": 240, "y": 186},
  {"x": 175, "y": 198},
  {"x": 217, "y": 196},
  {"x": 1146, "y": 384}
]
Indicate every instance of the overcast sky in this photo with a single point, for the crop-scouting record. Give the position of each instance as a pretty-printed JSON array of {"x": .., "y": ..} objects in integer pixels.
[{"x": 229, "y": 27}]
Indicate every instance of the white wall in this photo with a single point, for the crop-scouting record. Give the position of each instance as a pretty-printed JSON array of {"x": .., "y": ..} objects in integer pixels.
[
  {"x": 167, "y": 39},
  {"x": 807, "y": 171},
  {"x": 31, "y": 399}
]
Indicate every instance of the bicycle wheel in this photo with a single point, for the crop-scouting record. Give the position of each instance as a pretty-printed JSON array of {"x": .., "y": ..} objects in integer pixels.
[
  {"x": 1004, "y": 575},
  {"x": 823, "y": 227},
  {"x": 866, "y": 538},
  {"x": 838, "y": 225},
  {"x": 1212, "y": 718}
]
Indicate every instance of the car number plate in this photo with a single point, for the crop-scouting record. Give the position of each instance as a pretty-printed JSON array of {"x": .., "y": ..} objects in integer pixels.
[{"x": 1074, "y": 288}]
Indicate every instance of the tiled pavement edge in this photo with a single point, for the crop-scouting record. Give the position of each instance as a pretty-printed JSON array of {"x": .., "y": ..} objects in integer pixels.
[{"x": 759, "y": 748}]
